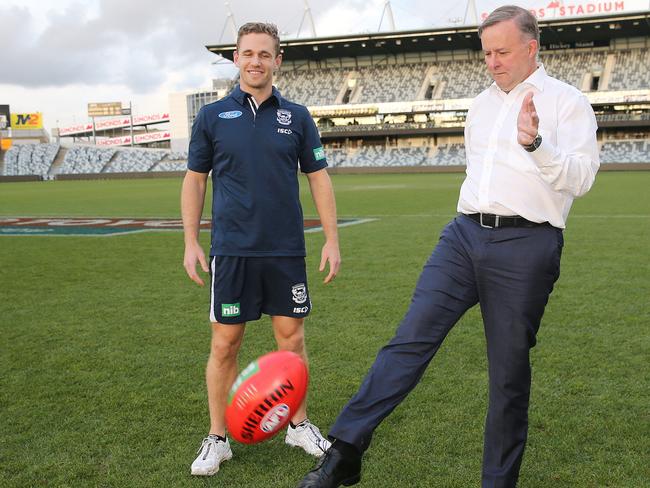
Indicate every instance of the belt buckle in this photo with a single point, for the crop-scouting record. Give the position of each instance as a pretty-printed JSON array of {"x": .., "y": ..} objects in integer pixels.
[{"x": 496, "y": 222}]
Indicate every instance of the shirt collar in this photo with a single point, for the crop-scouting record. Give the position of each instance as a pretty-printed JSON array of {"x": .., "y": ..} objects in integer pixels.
[
  {"x": 240, "y": 95},
  {"x": 536, "y": 79}
]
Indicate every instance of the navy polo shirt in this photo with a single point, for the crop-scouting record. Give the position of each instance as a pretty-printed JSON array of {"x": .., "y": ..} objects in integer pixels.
[{"x": 254, "y": 159}]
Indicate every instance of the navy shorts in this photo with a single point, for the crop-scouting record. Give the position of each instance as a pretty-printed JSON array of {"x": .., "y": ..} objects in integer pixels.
[{"x": 243, "y": 288}]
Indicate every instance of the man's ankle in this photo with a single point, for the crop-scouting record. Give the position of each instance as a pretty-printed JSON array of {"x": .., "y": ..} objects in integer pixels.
[{"x": 346, "y": 449}]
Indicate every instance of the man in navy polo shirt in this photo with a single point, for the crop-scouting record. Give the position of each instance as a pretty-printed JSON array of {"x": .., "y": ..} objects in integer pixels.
[{"x": 253, "y": 141}]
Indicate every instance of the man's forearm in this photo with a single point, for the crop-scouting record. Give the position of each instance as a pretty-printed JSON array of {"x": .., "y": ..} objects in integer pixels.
[
  {"x": 323, "y": 196},
  {"x": 192, "y": 199}
]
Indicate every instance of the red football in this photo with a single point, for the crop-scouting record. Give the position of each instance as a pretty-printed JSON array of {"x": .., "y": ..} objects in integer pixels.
[{"x": 265, "y": 396}]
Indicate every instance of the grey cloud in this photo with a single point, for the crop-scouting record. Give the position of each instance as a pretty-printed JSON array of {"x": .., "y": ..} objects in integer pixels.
[
  {"x": 139, "y": 44},
  {"x": 131, "y": 43}
]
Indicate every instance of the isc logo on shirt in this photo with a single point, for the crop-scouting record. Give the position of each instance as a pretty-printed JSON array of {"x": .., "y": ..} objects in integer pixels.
[
  {"x": 284, "y": 131},
  {"x": 230, "y": 309}
]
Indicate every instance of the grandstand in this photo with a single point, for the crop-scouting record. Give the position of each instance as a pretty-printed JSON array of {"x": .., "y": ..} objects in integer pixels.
[
  {"x": 30, "y": 159},
  {"x": 399, "y": 99},
  {"x": 41, "y": 160},
  {"x": 373, "y": 95}
]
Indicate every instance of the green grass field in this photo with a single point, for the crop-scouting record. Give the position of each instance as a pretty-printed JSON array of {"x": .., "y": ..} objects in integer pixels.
[{"x": 104, "y": 342}]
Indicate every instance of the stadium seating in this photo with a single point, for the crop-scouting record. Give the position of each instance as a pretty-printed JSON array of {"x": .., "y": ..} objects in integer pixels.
[
  {"x": 369, "y": 156},
  {"x": 174, "y": 161},
  {"x": 461, "y": 79},
  {"x": 571, "y": 67},
  {"x": 85, "y": 159},
  {"x": 449, "y": 155},
  {"x": 631, "y": 70},
  {"x": 30, "y": 159},
  {"x": 456, "y": 78},
  {"x": 36, "y": 159},
  {"x": 313, "y": 87},
  {"x": 134, "y": 160},
  {"x": 383, "y": 83},
  {"x": 627, "y": 151}
]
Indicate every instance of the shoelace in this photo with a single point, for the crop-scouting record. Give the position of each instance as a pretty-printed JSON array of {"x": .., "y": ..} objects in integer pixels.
[
  {"x": 209, "y": 442},
  {"x": 316, "y": 435}
]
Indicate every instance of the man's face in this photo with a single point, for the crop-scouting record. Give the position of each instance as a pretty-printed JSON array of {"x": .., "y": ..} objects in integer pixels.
[
  {"x": 256, "y": 59},
  {"x": 509, "y": 56}
]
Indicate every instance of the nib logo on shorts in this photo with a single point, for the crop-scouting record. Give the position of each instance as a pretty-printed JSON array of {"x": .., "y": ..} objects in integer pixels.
[{"x": 230, "y": 309}]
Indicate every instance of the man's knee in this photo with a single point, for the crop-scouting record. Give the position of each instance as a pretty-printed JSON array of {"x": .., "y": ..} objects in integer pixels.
[
  {"x": 225, "y": 346},
  {"x": 289, "y": 333},
  {"x": 292, "y": 341}
]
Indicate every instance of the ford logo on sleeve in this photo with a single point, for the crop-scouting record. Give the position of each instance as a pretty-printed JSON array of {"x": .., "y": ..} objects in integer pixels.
[{"x": 233, "y": 114}]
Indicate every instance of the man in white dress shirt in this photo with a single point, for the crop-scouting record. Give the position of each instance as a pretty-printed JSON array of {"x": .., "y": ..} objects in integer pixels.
[{"x": 531, "y": 149}]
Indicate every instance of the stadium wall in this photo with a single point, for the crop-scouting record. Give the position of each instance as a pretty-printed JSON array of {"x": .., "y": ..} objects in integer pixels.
[{"x": 332, "y": 171}]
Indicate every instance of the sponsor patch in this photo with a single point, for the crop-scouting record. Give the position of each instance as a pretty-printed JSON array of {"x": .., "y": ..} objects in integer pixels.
[
  {"x": 230, "y": 309},
  {"x": 319, "y": 153},
  {"x": 284, "y": 116},
  {"x": 233, "y": 114}
]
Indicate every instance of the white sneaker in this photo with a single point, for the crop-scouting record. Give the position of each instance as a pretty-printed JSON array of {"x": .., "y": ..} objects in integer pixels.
[
  {"x": 210, "y": 455},
  {"x": 307, "y": 436}
]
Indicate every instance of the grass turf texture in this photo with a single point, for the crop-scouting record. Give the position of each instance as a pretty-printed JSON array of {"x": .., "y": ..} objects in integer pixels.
[{"x": 104, "y": 342}]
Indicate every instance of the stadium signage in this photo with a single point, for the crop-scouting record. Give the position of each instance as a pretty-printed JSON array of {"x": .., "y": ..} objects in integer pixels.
[
  {"x": 27, "y": 121},
  {"x": 138, "y": 139},
  {"x": 111, "y": 124},
  {"x": 557, "y": 9},
  {"x": 103, "y": 109},
  {"x": 116, "y": 123},
  {"x": 75, "y": 129},
  {"x": 22, "y": 226}
]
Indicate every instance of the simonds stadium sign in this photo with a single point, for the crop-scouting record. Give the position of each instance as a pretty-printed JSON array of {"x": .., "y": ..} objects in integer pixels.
[{"x": 549, "y": 10}]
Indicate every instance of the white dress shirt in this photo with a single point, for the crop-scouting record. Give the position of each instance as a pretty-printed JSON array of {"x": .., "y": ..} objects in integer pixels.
[{"x": 503, "y": 178}]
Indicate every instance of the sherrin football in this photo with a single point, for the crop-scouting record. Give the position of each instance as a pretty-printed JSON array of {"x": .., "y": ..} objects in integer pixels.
[{"x": 265, "y": 396}]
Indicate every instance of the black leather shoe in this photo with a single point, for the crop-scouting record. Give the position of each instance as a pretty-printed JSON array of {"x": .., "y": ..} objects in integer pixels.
[{"x": 333, "y": 470}]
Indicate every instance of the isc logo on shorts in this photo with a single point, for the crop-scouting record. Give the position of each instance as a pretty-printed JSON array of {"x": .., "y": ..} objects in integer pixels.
[
  {"x": 300, "y": 309},
  {"x": 230, "y": 309}
]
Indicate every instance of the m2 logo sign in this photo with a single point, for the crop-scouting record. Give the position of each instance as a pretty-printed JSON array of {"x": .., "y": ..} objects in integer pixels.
[{"x": 27, "y": 121}]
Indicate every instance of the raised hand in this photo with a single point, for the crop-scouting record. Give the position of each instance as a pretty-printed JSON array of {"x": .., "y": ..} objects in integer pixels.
[{"x": 527, "y": 121}]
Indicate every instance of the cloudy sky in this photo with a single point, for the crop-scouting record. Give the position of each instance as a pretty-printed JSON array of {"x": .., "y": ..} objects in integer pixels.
[{"x": 58, "y": 55}]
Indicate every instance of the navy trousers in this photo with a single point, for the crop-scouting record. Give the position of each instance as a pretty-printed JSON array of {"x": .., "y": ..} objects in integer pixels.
[{"x": 510, "y": 272}]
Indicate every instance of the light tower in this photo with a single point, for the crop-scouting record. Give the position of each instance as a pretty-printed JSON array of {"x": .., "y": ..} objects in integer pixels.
[
  {"x": 471, "y": 16},
  {"x": 307, "y": 15},
  {"x": 388, "y": 11},
  {"x": 230, "y": 22}
]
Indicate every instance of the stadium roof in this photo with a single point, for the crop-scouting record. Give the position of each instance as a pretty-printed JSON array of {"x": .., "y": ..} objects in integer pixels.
[{"x": 573, "y": 32}]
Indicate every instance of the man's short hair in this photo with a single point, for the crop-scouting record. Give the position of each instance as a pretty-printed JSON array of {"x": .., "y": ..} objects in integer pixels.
[
  {"x": 526, "y": 21},
  {"x": 260, "y": 28}
]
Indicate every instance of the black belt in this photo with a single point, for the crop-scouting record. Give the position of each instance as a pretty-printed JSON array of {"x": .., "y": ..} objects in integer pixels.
[{"x": 493, "y": 221}]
